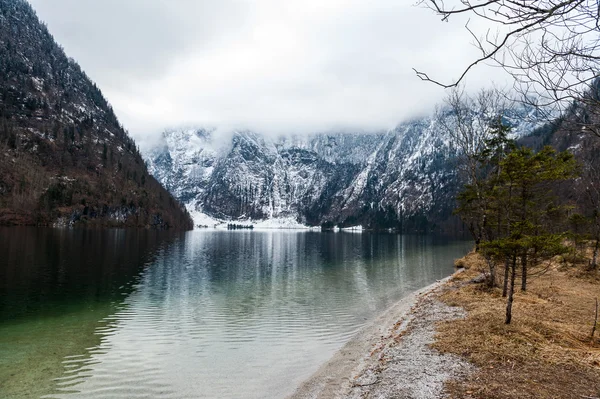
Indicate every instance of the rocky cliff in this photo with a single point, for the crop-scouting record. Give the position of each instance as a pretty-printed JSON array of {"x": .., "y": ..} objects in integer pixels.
[{"x": 404, "y": 178}]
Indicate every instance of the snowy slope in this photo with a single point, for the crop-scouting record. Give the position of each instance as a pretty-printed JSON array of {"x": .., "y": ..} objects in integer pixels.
[{"x": 403, "y": 178}]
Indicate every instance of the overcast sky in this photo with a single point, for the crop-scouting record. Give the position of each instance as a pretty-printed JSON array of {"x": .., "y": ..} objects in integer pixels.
[{"x": 269, "y": 65}]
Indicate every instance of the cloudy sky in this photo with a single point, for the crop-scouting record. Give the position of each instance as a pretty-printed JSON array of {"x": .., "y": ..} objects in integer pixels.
[{"x": 270, "y": 65}]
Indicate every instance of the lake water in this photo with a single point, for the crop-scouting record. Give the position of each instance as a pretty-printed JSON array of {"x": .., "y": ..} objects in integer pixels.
[{"x": 203, "y": 314}]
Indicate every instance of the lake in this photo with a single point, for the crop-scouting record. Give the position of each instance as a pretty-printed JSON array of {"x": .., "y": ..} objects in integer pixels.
[{"x": 202, "y": 314}]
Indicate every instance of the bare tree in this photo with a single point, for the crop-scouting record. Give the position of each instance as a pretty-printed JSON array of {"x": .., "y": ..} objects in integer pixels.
[
  {"x": 469, "y": 122},
  {"x": 472, "y": 124},
  {"x": 550, "y": 47}
]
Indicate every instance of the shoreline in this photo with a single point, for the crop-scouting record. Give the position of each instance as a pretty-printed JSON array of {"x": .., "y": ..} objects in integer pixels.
[{"x": 337, "y": 377}]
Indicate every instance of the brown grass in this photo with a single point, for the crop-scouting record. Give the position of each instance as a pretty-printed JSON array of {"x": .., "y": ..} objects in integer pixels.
[{"x": 546, "y": 352}]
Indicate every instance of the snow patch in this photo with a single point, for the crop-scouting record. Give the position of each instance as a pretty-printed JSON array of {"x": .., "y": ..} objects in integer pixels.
[
  {"x": 352, "y": 229},
  {"x": 201, "y": 219},
  {"x": 280, "y": 223}
]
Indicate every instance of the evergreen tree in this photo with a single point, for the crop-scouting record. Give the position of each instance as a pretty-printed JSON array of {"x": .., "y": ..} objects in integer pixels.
[
  {"x": 519, "y": 198},
  {"x": 475, "y": 205}
]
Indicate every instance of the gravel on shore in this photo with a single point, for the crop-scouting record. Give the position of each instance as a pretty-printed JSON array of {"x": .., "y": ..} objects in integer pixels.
[{"x": 391, "y": 358}]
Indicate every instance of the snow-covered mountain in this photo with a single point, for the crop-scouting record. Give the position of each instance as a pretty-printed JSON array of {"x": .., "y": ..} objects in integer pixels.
[{"x": 404, "y": 178}]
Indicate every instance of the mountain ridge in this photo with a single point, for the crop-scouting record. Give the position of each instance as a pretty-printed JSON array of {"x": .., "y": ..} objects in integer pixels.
[
  {"x": 401, "y": 179},
  {"x": 64, "y": 157}
]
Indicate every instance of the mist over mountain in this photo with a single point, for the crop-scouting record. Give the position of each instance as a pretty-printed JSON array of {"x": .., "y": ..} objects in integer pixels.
[
  {"x": 404, "y": 178},
  {"x": 267, "y": 66}
]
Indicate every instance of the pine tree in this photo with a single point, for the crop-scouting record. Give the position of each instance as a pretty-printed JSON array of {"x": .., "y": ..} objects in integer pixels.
[
  {"x": 522, "y": 197},
  {"x": 475, "y": 205}
]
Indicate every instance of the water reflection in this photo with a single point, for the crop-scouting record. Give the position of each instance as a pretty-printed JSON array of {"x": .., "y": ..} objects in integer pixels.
[
  {"x": 55, "y": 285},
  {"x": 245, "y": 314}
]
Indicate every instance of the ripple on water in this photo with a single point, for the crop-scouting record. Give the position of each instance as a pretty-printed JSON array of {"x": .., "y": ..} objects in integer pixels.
[{"x": 243, "y": 315}]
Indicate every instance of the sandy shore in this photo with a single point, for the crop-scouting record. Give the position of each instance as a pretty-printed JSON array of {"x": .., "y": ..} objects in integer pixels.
[{"x": 391, "y": 356}]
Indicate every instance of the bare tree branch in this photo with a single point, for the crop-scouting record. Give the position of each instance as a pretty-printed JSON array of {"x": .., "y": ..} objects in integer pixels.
[{"x": 550, "y": 47}]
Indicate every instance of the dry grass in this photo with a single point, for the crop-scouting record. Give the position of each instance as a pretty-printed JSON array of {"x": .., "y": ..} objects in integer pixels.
[{"x": 546, "y": 352}]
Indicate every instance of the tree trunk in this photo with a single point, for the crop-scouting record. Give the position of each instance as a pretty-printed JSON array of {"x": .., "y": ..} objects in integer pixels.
[
  {"x": 475, "y": 236},
  {"x": 594, "y": 263},
  {"x": 595, "y": 321},
  {"x": 492, "y": 266},
  {"x": 524, "y": 272},
  {"x": 505, "y": 285},
  {"x": 511, "y": 290}
]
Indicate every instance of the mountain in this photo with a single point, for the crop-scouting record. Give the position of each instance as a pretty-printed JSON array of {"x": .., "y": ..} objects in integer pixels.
[
  {"x": 404, "y": 178},
  {"x": 64, "y": 157}
]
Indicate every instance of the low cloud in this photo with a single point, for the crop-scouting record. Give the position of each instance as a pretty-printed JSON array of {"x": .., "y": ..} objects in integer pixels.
[{"x": 274, "y": 66}]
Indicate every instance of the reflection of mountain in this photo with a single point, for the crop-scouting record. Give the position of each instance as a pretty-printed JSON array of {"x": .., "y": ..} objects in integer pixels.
[
  {"x": 42, "y": 270},
  {"x": 218, "y": 304},
  {"x": 401, "y": 178},
  {"x": 56, "y": 287}
]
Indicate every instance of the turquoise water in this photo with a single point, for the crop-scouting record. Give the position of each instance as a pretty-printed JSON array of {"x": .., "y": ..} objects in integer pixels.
[{"x": 215, "y": 314}]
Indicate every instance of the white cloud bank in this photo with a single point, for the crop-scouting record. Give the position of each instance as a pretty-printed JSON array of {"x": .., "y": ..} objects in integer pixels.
[{"x": 269, "y": 65}]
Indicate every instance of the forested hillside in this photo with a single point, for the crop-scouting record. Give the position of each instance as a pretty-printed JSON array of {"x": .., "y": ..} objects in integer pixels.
[{"x": 64, "y": 157}]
